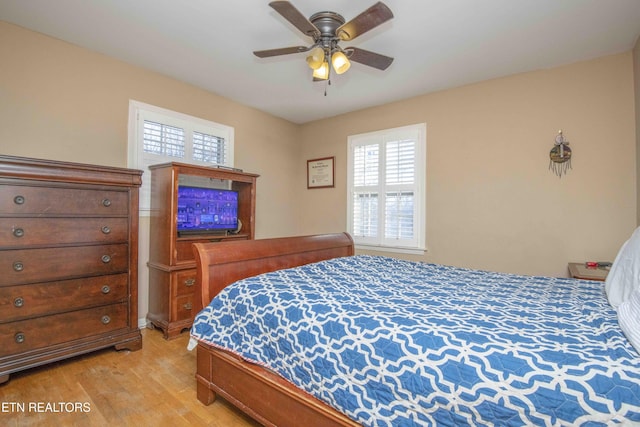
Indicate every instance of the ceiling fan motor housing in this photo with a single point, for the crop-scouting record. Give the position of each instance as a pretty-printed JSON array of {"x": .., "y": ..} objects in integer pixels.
[{"x": 327, "y": 23}]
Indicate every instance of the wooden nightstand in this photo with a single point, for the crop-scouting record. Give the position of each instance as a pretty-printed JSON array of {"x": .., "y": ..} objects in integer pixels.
[{"x": 578, "y": 270}]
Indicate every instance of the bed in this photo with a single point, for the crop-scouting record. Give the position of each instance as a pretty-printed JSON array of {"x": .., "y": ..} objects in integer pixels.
[{"x": 303, "y": 332}]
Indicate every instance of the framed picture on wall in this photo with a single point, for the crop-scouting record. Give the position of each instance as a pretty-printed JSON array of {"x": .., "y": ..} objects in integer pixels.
[{"x": 320, "y": 172}]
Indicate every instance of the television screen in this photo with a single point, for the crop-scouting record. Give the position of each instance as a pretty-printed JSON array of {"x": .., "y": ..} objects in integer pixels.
[{"x": 203, "y": 210}]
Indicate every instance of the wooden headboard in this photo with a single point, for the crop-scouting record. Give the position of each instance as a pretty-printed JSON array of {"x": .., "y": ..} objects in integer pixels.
[{"x": 220, "y": 264}]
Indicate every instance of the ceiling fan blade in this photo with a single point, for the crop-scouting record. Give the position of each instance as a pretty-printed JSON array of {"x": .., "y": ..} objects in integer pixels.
[
  {"x": 293, "y": 15},
  {"x": 372, "y": 59},
  {"x": 281, "y": 51},
  {"x": 367, "y": 20}
]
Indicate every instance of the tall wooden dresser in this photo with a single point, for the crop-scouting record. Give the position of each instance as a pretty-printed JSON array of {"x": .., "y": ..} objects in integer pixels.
[{"x": 68, "y": 261}]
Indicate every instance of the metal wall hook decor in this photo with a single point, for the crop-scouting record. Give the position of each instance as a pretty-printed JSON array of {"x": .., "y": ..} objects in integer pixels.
[{"x": 560, "y": 156}]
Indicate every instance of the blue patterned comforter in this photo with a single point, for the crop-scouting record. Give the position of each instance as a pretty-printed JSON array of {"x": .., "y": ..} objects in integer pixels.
[{"x": 397, "y": 343}]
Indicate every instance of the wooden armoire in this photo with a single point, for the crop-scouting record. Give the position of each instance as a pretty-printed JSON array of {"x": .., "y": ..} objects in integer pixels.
[{"x": 172, "y": 267}]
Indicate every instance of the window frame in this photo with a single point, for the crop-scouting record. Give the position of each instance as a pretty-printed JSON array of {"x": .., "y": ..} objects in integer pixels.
[
  {"x": 139, "y": 159},
  {"x": 416, "y": 245}
]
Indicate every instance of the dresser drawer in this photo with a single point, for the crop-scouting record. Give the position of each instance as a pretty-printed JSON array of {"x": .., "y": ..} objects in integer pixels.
[
  {"x": 20, "y": 302},
  {"x": 25, "y": 335},
  {"x": 16, "y": 232},
  {"x": 29, "y": 200},
  {"x": 182, "y": 307},
  {"x": 22, "y": 266},
  {"x": 184, "y": 284}
]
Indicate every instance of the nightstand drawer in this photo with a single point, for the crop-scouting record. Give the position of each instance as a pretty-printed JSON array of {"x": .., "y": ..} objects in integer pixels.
[
  {"x": 36, "y": 265},
  {"x": 41, "y": 332},
  {"x": 28, "y": 200},
  {"x": 20, "y": 302},
  {"x": 16, "y": 232}
]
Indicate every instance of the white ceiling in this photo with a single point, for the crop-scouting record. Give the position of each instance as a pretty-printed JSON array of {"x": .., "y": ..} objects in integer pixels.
[{"x": 437, "y": 44}]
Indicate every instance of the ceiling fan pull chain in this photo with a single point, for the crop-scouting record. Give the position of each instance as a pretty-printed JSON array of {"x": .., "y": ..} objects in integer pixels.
[{"x": 327, "y": 84}]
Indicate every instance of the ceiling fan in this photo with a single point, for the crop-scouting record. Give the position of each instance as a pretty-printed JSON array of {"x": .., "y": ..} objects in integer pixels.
[{"x": 327, "y": 29}]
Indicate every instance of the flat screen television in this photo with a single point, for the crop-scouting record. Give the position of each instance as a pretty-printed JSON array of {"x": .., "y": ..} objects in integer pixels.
[{"x": 206, "y": 210}]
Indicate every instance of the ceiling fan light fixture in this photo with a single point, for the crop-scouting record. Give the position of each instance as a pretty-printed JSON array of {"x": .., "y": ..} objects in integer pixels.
[
  {"x": 340, "y": 62},
  {"x": 315, "y": 59},
  {"x": 328, "y": 29},
  {"x": 322, "y": 72}
]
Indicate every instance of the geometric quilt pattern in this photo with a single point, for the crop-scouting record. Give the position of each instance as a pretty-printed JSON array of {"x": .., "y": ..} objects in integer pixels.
[{"x": 390, "y": 342}]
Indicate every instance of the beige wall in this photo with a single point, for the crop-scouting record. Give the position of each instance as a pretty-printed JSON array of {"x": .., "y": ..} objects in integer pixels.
[
  {"x": 58, "y": 101},
  {"x": 63, "y": 102},
  {"x": 492, "y": 203}
]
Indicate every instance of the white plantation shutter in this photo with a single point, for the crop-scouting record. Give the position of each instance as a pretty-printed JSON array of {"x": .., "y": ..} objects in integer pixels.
[
  {"x": 158, "y": 135},
  {"x": 399, "y": 215},
  {"x": 209, "y": 148},
  {"x": 163, "y": 140},
  {"x": 365, "y": 215},
  {"x": 386, "y": 182},
  {"x": 401, "y": 162},
  {"x": 365, "y": 203},
  {"x": 365, "y": 165},
  {"x": 400, "y": 180}
]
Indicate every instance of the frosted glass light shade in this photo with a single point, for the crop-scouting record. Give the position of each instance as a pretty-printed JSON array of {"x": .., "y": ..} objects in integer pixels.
[
  {"x": 315, "y": 59},
  {"x": 340, "y": 62},
  {"x": 322, "y": 72}
]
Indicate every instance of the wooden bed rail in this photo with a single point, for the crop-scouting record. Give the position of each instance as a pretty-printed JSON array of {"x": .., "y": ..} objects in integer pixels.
[{"x": 220, "y": 264}]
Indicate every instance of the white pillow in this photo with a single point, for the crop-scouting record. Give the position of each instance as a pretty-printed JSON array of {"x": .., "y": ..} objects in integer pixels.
[
  {"x": 629, "y": 319},
  {"x": 624, "y": 276}
]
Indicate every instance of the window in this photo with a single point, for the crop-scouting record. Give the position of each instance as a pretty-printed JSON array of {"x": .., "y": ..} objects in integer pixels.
[
  {"x": 386, "y": 181},
  {"x": 157, "y": 135}
]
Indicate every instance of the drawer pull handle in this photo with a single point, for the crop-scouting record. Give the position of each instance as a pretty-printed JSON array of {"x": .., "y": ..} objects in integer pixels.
[
  {"x": 105, "y": 229},
  {"x": 18, "y": 232},
  {"x": 106, "y": 259},
  {"x": 18, "y": 302},
  {"x": 190, "y": 282},
  {"x": 106, "y": 203},
  {"x": 106, "y": 289},
  {"x": 105, "y": 319},
  {"x": 18, "y": 266},
  {"x": 188, "y": 306},
  {"x": 18, "y": 200},
  {"x": 19, "y": 338}
]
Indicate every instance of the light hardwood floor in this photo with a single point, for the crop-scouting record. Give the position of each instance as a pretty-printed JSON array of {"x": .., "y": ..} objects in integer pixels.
[{"x": 151, "y": 387}]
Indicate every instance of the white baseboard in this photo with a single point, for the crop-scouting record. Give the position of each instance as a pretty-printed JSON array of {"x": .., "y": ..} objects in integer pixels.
[{"x": 142, "y": 323}]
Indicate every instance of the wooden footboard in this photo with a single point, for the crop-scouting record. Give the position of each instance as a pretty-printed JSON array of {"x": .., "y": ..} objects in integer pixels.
[{"x": 261, "y": 394}]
